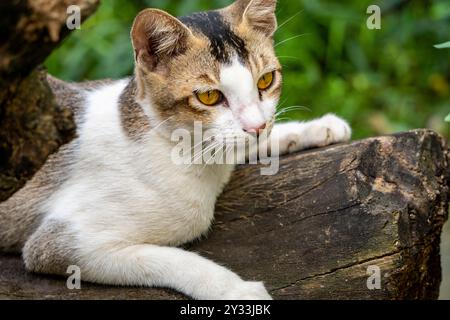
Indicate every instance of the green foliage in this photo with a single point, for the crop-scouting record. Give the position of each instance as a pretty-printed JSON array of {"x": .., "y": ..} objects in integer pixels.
[{"x": 381, "y": 80}]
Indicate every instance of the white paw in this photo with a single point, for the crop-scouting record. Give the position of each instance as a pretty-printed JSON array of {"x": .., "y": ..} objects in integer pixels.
[
  {"x": 327, "y": 130},
  {"x": 295, "y": 136},
  {"x": 248, "y": 290}
]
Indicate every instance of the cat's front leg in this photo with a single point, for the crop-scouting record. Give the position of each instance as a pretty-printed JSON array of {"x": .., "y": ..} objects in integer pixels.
[
  {"x": 184, "y": 271},
  {"x": 295, "y": 136},
  {"x": 53, "y": 247}
]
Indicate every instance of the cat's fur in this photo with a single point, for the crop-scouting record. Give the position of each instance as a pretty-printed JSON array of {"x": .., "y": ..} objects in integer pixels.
[{"x": 112, "y": 202}]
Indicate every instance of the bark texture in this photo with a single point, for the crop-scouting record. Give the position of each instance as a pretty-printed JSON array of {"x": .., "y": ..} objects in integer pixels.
[
  {"x": 32, "y": 124},
  {"x": 312, "y": 230}
]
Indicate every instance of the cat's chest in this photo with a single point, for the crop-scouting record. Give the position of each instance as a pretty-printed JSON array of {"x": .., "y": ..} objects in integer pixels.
[
  {"x": 173, "y": 213},
  {"x": 191, "y": 199}
]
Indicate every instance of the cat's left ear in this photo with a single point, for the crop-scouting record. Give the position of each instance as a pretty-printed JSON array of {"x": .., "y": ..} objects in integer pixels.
[
  {"x": 258, "y": 15},
  {"x": 157, "y": 36}
]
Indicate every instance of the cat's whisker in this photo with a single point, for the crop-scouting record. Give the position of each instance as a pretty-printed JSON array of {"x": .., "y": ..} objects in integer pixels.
[
  {"x": 288, "y": 20},
  {"x": 213, "y": 157},
  {"x": 282, "y": 119},
  {"x": 199, "y": 155},
  {"x": 291, "y": 108},
  {"x": 161, "y": 123},
  {"x": 196, "y": 156},
  {"x": 208, "y": 139},
  {"x": 291, "y": 38},
  {"x": 288, "y": 57},
  {"x": 295, "y": 107},
  {"x": 228, "y": 149},
  {"x": 203, "y": 152},
  {"x": 282, "y": 103}
]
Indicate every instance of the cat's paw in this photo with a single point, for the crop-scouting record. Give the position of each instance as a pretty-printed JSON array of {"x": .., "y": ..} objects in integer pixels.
[
  {"x": 248, "y": 290},
  {"x": 327, "y": 130},
  {"x": 295, "y": 136}
]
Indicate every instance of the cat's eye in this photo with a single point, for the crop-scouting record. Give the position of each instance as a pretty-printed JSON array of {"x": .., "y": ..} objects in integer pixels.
[
  {"x": 265, "y": 81},
  {"x": 210, "y": 98}
]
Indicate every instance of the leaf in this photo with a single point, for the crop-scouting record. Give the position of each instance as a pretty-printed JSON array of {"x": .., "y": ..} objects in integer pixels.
[
  {"x": 447, "y": 118},
  {"x": 443, "y": 45}
]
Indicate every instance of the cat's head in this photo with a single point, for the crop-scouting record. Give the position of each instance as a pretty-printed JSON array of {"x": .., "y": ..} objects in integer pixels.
[{"x": 217, "y": 67}]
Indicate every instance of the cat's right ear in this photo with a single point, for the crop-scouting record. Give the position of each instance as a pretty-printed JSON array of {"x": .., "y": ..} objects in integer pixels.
[
  {"x": 156, "y": 36},
  {"x": 258, "y": 15}
]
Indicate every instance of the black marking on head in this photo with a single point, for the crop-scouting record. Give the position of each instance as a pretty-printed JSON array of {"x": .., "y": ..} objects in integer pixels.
[{"x": 219, "y": 33}]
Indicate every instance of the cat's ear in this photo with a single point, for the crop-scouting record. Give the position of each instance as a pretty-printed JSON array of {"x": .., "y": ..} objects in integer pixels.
[
  {"x": 156, "y": 35},
  {"x": 258, "y": 15}
]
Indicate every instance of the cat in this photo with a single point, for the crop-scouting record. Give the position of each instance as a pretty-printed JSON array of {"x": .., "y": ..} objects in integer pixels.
[{"x": 112, "y": 202}]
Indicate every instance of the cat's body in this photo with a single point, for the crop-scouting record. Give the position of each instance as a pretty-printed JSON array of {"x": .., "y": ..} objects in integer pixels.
[{"x": 112, "y": 201}]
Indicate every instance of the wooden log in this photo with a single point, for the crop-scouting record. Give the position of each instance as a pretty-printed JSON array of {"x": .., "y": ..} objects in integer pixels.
[
  {"x": 32, "y": 124},
  {"x": 313, "y": 230}
]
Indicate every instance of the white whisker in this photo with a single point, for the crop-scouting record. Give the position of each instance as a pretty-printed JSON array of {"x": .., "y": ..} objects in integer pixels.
[
  {"x": 291, "y": 108},
  {"x": 161, "y": 123},
  {"x": 291, "y": 38},
  {"x": 288, "y": 57},
  {"x": 286, "y": 21}
]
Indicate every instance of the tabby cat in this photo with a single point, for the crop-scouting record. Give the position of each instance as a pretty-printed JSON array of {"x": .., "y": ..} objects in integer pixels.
[{"x": 112, "y": 201}]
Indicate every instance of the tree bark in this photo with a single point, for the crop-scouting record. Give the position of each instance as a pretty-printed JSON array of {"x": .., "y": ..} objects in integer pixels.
[
  {"x": 32, "y": 125},
  {"x": 313, "y": 230}
]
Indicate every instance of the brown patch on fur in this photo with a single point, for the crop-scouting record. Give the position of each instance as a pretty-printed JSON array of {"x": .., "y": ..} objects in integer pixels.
[
  {"x": 171, "y": 94},
  {"x": 50, "y": 249},
  {"x": 237, "y": 9},
  {"x": 207, "y": 79},
  {"x": 134, "y": 121},
  {"x": 276, "y": 90},
  {"x": 260, "y": 16},
  {"x": 67, "y": 96}
]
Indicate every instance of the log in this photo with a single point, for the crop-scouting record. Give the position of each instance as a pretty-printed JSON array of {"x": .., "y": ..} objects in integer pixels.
[
  {"x": 32, "y": 124},
  {"x": 313, "y": 230}
]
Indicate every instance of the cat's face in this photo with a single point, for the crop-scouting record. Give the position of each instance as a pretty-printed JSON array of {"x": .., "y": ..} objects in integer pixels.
[{"x": 215, "y": 67}]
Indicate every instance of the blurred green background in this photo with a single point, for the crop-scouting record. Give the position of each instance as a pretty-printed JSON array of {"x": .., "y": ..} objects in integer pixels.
[{"x": 382, "y": 81}]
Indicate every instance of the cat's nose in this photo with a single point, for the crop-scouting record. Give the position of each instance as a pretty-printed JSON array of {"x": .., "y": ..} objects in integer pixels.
[{"x": 255, "y": 130}]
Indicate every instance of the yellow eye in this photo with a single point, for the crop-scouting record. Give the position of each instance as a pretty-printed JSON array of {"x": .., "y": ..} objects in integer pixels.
[
  {"x": 265, "y": 81},
  {"x": 210, "y": 98}
]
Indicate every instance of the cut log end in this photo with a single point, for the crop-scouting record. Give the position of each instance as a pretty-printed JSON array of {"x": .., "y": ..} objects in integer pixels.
[{"x": 321, "y": 228}]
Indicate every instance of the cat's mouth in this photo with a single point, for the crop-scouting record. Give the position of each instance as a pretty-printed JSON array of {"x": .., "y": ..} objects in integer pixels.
[{"x": 265, "y": 132}]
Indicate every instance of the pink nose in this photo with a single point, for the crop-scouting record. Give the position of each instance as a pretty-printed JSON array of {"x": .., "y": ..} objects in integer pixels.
[{"x": 255, "y": 130}]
